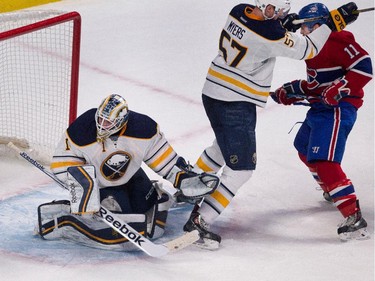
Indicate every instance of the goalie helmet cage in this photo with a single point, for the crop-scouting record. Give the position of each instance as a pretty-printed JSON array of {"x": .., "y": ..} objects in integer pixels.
[{"x": 39, "y": 68}]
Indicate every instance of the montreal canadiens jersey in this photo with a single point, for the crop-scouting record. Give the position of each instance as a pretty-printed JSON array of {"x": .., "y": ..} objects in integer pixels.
[
  {"x": 248, "y": 47},
  {"x": 117, "y": 158},
  {"x": 341, "y": 57}
]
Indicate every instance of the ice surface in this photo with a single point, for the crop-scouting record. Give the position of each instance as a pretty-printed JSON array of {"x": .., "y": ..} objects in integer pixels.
[{"x": 278, "y": 227}]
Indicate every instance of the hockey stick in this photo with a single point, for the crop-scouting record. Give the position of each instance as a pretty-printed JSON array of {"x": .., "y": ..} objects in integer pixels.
[
  {"x": 299, "y": 21},
  {"x": 124, "y": 229}
]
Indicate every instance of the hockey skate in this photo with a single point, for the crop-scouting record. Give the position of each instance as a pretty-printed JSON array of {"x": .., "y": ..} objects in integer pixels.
[
  {"x": 208, "y": 240},
  {"x": 327, "y": 197},
  {"x": 353, "y": 227}
]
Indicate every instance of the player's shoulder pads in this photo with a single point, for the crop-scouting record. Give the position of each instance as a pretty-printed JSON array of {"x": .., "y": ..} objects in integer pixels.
[
  {"x": 140, "y": 126},
  {"x": 83, "y": 130}
]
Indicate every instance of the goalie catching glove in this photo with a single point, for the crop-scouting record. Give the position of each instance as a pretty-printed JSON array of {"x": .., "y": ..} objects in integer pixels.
[{"x": 189, "y": 183}]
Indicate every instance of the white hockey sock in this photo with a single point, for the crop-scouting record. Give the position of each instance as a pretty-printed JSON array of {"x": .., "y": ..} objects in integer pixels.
[{"x": 231, "y": 181}]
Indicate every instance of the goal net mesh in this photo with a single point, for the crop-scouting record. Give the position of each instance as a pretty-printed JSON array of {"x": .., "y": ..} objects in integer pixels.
[{"x": 36, "y": 65}]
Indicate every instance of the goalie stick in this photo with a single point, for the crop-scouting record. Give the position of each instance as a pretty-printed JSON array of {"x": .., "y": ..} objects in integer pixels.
[
  {"x": 299, "y": 21},
  {"x": 117, "y": 224}
]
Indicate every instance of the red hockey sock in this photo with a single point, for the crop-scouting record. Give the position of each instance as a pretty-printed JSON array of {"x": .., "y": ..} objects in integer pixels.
[
  {"x": 329, "y": 172},
  {"x": 344, "y": 197},
  {"x": 313, "y": 171},
  {"x": 339, "y": 187}
]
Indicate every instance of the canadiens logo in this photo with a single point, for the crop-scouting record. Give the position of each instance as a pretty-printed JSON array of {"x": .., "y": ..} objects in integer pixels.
[{"x": 115, "y": 165}]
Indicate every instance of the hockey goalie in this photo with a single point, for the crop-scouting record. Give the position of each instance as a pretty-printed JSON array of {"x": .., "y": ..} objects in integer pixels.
[{"x": 99, "y": 159}]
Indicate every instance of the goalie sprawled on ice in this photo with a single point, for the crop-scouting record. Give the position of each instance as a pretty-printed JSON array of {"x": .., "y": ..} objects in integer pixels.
[{"x": 99, "y": 159}]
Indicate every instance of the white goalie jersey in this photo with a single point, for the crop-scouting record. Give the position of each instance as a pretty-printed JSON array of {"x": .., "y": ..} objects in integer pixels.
[
  {"x": 117, "y": 158},
  {"x": 248, "y": 48}
]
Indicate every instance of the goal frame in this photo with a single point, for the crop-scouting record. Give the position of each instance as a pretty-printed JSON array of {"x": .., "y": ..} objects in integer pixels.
[{"x": 76, "y": 43}]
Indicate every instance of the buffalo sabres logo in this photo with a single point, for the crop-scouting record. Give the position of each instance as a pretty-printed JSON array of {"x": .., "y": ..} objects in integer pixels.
[{"x": 115, "y": 165}]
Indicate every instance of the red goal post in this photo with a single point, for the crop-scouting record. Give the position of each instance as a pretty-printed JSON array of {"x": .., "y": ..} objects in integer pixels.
[{"x": 39, "y": 73}]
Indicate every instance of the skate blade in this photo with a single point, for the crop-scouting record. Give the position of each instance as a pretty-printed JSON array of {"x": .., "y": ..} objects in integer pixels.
[
  {"x": 360, "y": 234},
  {"x": 207, "y": 244}
]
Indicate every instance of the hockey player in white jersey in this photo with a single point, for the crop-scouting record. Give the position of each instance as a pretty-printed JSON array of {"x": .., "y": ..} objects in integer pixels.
[
  {"x": 238, "y": 80},
  {"x": 99, "y": 158}
]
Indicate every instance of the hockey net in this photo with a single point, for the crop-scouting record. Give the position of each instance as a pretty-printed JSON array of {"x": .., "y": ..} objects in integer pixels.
[{"x": 39, "y": 65}]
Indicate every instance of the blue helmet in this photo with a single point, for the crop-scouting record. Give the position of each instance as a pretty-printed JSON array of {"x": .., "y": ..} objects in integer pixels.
[{"x": 314, "y": 10}]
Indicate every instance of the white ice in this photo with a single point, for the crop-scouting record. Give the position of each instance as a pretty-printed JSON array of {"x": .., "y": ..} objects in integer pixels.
[{"x": 278, "y": 227}]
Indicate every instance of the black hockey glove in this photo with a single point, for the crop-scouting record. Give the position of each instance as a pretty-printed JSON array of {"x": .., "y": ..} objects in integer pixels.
[
  {"x": 288, "y": 24},
  {"x": 342, "y": 16}
]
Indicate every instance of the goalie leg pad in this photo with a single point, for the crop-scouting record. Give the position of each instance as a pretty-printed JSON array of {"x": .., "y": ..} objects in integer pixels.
[
  {"x": 84, "y": 191},
  {"x": 55, "y": 222},
  {"x": 158, "y": 214},
  {"x": 157, "y": 217},
  {"x": 48, "y": 214}
]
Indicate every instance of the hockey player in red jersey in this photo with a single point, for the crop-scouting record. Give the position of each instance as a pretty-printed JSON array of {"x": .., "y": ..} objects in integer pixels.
[
  {"x": 238, "y": 80},
  {"x": 334, "y": 88}
]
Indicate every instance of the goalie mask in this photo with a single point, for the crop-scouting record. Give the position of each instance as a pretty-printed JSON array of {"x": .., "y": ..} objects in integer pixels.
[
  {"x": 282, "y": 7},
  {"x": 111, "y": 116},
  {"x": 312, "y": 11}
]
